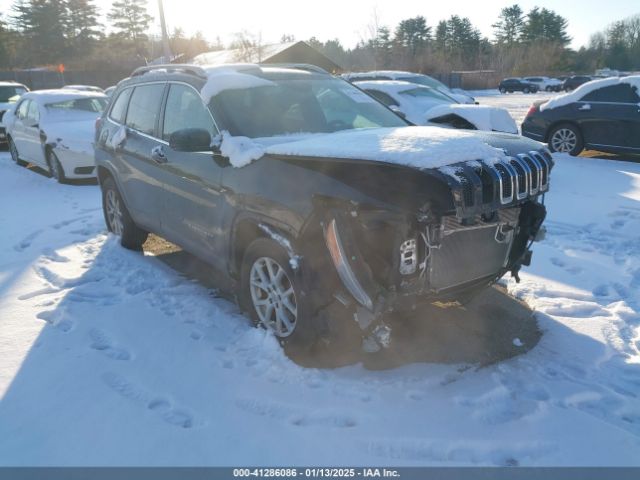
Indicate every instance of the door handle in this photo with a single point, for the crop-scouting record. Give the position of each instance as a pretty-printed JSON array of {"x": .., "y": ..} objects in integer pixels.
[
  {"x": 585, "y": 107},
  {"x": 158, "y": 155}
]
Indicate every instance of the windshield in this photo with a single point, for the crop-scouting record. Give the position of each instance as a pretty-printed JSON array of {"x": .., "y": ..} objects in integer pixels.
[
  {"x": 11, "y": 94},
  {"x": 299, "y": 104},
  {"x": 428, "y": 93},
  {"x": 96, "y": 105}
]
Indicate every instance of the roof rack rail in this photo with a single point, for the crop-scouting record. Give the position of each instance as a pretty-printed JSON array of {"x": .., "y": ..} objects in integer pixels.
[
  {"x": 298, "y": 66},
  {"x": 171, "y": 67}
]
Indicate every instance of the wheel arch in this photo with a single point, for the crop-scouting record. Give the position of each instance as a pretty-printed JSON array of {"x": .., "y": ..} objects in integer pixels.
[{"x": 248, "y": 228}]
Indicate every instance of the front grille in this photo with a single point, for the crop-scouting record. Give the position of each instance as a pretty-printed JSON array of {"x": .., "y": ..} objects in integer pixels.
[{"x": 482, "y": 186}]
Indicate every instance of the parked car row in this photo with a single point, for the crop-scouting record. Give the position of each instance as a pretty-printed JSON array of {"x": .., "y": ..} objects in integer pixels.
[{"x": 535, "y": 84}]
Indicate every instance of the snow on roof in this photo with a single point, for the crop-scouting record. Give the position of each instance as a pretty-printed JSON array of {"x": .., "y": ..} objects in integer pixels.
[
  {"x": 59, "y": 95},
  {"x": 585, "y": 88},
  {"x": 251, "y": 55},
  {"x": 396, "y": 86},
  {"x": 418, "y": 147},
  {"x": 380, "y": 73},
  {"x": 230, "y": 78},
  {"x": 483, "y": 117}
]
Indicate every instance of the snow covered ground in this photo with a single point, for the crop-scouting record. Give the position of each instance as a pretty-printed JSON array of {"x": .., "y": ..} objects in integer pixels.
[{"x": 108, "y": 357}]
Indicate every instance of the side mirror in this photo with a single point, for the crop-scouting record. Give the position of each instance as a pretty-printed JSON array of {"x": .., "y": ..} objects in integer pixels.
[{"x": 190, "y": 140}]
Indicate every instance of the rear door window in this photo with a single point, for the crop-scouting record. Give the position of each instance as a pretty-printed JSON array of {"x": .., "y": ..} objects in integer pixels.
[
  {"x": 144, "y": 107},
  {"x": 621, "y": 93}
]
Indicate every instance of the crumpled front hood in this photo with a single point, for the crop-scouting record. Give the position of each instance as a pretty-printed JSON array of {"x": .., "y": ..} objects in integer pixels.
[
  {"x": 483, "y": 117},
  {"x": 417, "y": 147}
]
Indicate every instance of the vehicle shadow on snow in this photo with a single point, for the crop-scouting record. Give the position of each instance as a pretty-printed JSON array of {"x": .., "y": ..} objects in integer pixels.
[{"x": 491, "y": 328}]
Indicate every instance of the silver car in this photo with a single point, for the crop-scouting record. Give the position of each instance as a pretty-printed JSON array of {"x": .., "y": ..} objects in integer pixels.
[{"x": 54, "y": 129}]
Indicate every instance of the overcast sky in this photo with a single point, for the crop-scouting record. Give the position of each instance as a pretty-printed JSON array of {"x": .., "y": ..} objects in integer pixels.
[{"x": 347, "y": 20}]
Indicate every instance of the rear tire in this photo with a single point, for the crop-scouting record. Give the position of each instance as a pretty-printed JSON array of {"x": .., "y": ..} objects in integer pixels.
[
  {"x": 117, "y": 217},
  {"x": 271, "y": 293},
  {"x": 566, "y": 138},
  {"x": 15, "y": 156},
  {"x": 55, "y": 168}
]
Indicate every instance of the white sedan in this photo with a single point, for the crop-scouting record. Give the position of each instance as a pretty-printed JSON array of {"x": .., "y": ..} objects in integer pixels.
[
  {"x": 423, "y": 105},
  {"x": 54, "y": 129}
]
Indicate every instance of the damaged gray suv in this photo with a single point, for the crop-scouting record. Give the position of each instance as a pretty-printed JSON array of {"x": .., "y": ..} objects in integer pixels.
[{"x": 305, "y": 192}]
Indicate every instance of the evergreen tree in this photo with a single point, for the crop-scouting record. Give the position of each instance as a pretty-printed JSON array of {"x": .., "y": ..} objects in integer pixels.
[
  {"x": 544, "y": 25},
  {"x": 82, "y": 23},
  {"x": 457, "y": 36},
  {"x": 4, "y": 43},
  {"x": 43, "y": 23},
  {"x": 508, "y": 28},
  {"x": 130, "y": 19},
  {"x": 413, "y": 33}
]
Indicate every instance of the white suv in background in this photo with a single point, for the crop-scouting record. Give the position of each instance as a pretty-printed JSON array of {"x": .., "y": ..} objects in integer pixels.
[{"x": 458, "y": 94}]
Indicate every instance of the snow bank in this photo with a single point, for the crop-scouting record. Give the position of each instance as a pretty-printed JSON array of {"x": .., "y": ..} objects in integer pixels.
[
  {"x": 584, "y": 89},
  {"x": 482, "y": 117},
  {"x": 219, "y": 80}
]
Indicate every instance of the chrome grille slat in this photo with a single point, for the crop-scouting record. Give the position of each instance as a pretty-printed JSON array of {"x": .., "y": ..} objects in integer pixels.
[
  {"x": 545, "y": 167},
  {"x": 534, "y": 172},
  {"x": 481, "y": 185}
]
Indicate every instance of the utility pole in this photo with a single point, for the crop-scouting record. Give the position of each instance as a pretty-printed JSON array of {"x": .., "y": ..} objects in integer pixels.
[{"x": 165, "y": 37}]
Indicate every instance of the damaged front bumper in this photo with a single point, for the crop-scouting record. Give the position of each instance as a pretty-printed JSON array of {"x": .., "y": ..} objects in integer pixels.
[{"x": 437, "y": 258}]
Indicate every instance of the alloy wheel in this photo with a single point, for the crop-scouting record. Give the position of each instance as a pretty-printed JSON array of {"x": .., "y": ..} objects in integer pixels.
[
  {"x": 114, "y": 213},
  {"x": 564, "y": 140},
  {"x": 273, "y": 296}
]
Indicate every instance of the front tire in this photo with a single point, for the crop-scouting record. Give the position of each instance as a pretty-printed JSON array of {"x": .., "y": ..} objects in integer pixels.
[
  {"x": 566, "y": 138},
  {"x": 55, "y": 168},
  {"x": 117, "y": 217},
  {"x": 525, "y": 90},
  {"x": 503, "y": 90},
  {"x": 271, "y": 292}
]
